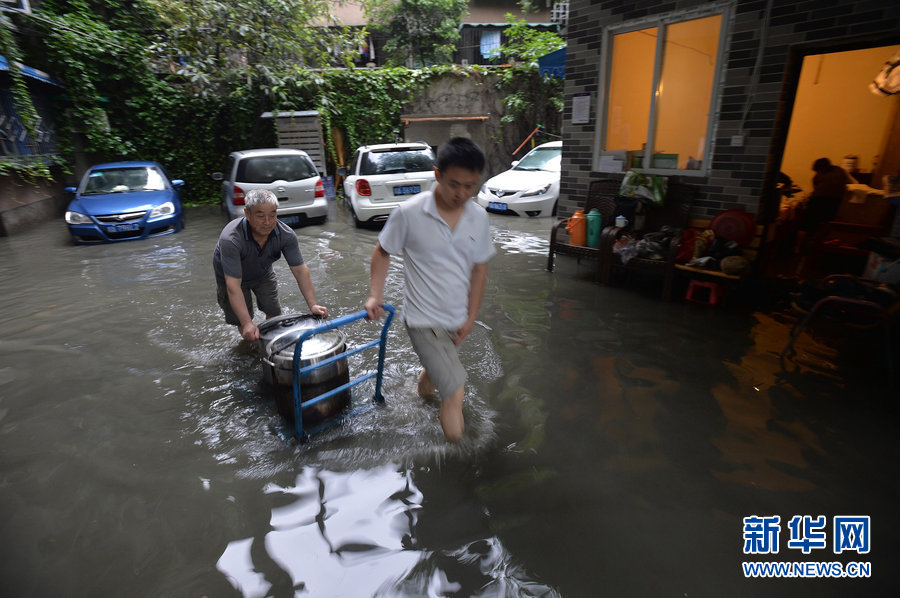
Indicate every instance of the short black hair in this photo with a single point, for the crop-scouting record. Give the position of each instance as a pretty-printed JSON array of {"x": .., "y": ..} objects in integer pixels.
[
  {"x": 822, "y": 164},
  {"x": 461, "y": 152}
]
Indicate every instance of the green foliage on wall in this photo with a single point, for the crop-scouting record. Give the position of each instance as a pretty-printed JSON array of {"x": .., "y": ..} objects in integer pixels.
[
  {"x": 129, "y": 96},
  {"x": 29, "y": 168}
]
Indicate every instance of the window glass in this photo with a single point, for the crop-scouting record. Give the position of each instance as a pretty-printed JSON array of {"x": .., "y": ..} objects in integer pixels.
[
  {"x": 683, "y": 109},
  {"x": 660, "y": 85},
  {"x": 118, "y": 180},
  {"x": 548, "y": 158},
  {"x": 229, "y": 166},
  {"x": 630, "y": 89},
  {"x": 268, "y": 169},
  {"x": 396, "y": 161}
]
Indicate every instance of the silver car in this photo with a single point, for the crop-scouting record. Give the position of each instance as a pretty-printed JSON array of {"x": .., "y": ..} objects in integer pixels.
[{"x": 289, "y": 173}]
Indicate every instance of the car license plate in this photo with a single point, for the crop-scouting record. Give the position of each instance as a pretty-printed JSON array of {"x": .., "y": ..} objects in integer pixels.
[
  {"x": 407, "y": 190},
  {"x": 121, "y": 228},
  {"x": 290, "y": 219},
  {"x": 496, "y": 205}
]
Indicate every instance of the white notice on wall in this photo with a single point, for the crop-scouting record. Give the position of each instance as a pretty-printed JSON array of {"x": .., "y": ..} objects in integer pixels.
[{"x": 581, "y": 108}]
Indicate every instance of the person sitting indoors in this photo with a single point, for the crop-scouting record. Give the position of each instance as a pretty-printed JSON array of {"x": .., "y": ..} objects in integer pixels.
[{"x": 829, "y": 184}]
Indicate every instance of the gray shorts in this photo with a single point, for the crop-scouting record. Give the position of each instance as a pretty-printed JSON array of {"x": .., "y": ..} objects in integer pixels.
[
  {"x": 439, "y": 357},
  {"x": 266, "y": 292}
]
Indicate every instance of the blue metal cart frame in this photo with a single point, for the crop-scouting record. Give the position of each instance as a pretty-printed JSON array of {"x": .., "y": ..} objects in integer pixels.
[{"x": 299, "y": 432}]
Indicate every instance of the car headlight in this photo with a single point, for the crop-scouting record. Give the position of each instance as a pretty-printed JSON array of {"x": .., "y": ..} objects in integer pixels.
[
  {"x": 538, "y": 191},
  {"x": 76, "y": 218},
  {"x": 166, "y": 209}
]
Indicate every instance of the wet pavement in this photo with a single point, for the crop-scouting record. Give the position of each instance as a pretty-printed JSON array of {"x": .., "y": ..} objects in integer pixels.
[{"x": 615, "y": 443}]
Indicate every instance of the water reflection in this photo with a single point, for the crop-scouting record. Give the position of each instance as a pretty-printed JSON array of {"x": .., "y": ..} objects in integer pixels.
[
  {"x": 614, "y": 441},
  {"x": 330, "y": 543},
  {"x": 512, "y": 240}
]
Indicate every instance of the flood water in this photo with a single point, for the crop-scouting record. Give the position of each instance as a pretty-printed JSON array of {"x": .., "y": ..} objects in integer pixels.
[{"x": 614, "y": 443}]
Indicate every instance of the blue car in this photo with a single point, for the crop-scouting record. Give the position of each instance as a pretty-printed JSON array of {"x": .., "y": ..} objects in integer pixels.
[{"x": 121, "y": 201}]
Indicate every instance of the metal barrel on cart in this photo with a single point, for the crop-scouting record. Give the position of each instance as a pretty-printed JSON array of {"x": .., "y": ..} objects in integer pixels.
[{"x": 309, "y": 356}]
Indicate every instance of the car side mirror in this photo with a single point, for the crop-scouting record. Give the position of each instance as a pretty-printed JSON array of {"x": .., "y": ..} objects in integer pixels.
[
  {"x": 342, "y": 171},
  {"x": 70, "y": 189},
  {"x": 514, "y": 163},
  {"x": 177, "y": 183},
  {"x": 217, "y": 176}
]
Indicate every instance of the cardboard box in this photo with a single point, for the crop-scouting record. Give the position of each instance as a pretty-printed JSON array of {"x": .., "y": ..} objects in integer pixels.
[{"x": 664, "y": 161}]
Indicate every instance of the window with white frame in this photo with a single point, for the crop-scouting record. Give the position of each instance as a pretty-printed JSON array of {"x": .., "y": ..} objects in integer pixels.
[{"x": 660, "y": 93}]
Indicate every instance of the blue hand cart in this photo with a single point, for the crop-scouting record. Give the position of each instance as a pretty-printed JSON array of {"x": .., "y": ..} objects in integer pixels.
[{"x": 302, "y": 434}]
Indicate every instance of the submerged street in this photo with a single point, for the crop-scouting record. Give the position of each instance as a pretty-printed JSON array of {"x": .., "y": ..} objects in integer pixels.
[{"x": 614, "y": 443}]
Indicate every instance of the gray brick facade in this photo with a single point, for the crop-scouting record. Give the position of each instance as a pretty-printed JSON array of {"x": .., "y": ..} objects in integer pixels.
[{"x": 741, "y": 176}]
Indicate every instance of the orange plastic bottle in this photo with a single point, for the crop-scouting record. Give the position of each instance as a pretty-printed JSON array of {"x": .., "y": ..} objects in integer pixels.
[{"x": 576, "y": 226}]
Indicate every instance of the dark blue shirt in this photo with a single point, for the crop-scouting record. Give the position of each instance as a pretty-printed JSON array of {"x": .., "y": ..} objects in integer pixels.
[{"x": 238, "y": 254}]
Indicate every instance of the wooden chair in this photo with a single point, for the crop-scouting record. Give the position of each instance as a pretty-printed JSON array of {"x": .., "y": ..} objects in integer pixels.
[
  {"x": 840, "y": 239},
  {"x": 748, "y": 235},
  {"x": 674, "y": 213},
  {"x": 601, "y": 195},
  {"x": 855, "y": 313}
]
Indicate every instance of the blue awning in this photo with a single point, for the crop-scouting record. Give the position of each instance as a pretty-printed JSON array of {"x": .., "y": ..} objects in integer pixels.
[
  {"x": 553, "y": 64},
  {"x": 30, "y": 72}
]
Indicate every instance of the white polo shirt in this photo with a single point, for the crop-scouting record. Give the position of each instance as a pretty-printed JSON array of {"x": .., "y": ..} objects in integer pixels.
[{"x": 437, "y": 261}]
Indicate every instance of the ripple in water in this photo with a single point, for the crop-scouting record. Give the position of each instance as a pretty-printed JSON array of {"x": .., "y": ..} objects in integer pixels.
[
  {"x": 513, "y": 242},
  {"x": 233, "y": 413}
]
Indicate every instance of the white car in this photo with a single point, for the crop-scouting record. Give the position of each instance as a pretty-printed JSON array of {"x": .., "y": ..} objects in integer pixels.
[
  {"x": 380, "y": 177},
  {"x": 289, "y": 173},
  {"x": 529, "y": 188}
]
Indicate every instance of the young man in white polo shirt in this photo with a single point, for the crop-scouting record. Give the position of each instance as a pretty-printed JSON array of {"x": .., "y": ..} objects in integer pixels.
[{"x": 445, "y": 242}]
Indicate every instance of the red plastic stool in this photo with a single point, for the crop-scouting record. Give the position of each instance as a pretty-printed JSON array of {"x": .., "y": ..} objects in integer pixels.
[{"x": 715, "y": 292}]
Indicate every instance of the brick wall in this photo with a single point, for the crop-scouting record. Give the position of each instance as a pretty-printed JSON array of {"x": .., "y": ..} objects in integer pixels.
[{"x": 743, "y": 176}]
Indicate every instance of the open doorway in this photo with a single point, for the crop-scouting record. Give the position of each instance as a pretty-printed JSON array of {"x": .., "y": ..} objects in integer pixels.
[{"x": 836, "y": 116}]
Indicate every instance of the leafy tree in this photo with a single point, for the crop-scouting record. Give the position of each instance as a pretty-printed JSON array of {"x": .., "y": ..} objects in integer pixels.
[
  {"x": 216, "y": 44},
  {"x": 526, "y": 44},
  {"x": 423, "y": 32},
  {"x": 97, "y": 48}
]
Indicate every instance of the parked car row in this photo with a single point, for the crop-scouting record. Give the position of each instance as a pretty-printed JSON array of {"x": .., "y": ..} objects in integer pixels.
[{"x": 121, "y": 201}]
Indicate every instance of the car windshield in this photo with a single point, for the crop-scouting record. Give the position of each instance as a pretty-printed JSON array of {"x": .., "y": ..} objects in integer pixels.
[
  {"x": 122, "y": 179},
  {"x": 396, "y": 161},
  {"x": 268, "y": 169},
  {"x": 547, "y": 158}
]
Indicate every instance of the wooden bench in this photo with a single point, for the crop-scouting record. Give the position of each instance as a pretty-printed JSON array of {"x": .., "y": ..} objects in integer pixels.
[{"x": 601, "y": 195}]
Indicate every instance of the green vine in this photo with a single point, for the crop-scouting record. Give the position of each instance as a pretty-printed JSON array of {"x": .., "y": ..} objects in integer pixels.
[
  {"x": 29, "y": 168},
  {"x": 143, "y": 81}
]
